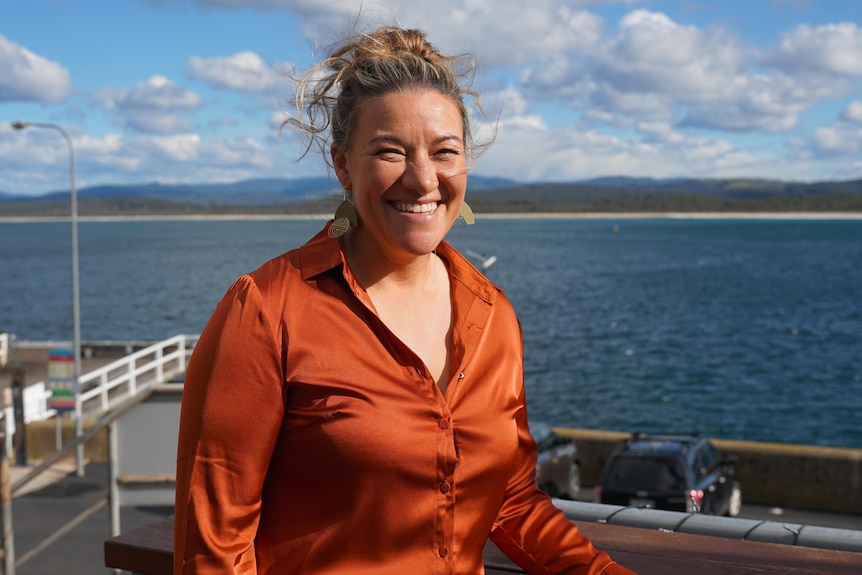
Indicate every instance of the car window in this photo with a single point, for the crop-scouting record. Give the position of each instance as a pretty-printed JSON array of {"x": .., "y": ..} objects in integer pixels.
[
  {"x": 647, "y": 473},
  {"x": 705, "y": 460}
]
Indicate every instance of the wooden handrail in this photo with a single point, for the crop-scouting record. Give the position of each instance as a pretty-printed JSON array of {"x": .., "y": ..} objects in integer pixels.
[{"x": 148, "y": 550}]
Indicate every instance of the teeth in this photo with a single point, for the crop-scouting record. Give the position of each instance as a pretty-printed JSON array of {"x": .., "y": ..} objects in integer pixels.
[{"x": 415, "y": 208}]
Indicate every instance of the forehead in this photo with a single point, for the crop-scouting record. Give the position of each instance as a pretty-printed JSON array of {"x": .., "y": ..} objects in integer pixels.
[{"x": 410, "y": 112}]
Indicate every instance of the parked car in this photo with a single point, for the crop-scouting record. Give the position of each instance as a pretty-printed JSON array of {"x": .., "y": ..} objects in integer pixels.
[
  {"x": 558, "y": 470},
  {"x": 672, "y": 472}
]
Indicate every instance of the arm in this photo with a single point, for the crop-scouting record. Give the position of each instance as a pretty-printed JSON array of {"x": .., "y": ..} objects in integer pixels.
[
  {"x": 230, "y": 418},
  {"x": 534, "y": 533}
]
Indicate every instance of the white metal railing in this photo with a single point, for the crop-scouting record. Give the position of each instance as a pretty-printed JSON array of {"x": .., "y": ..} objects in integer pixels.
[
  {"x": 4, "y": 349},
  {"x": 110, "y": 385}
]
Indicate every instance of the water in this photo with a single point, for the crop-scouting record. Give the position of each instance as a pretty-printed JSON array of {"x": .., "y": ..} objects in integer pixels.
[{"x": 741, "y": 329}]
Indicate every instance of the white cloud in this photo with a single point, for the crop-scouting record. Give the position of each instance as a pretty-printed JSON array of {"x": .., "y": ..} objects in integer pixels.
[
  {"x": 156, "y": 93},
  {"x": 28, "y": 77},
  {"x": 853, "y": 112},
  {"x": 651, "y": 53},
  {"x": 151, "y": 106},
  {"x": 838, "y": 140},
  {"x": 242, "y": 71},
  {"x": 649, "y": 70},
  {"x": 768, "y": 103},
  {"x": 653, "y": 69},
  {"x": 662, "y": 131},
  {"x": 500, "y": 33},
  {"x": 832, "y": 49},
  {"x": 505, "y": 34},
  {"x": 108, "y": 152},
  {"x": 156, "y": 123}
]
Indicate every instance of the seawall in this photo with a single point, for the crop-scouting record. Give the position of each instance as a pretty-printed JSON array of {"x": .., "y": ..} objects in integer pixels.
[
  {"x": 776, "y": 474},
  {"x": 782, "y": 475}
]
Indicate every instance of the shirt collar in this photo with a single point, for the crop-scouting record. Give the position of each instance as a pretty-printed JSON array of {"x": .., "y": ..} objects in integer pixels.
[{"x": 322, "y": 253}]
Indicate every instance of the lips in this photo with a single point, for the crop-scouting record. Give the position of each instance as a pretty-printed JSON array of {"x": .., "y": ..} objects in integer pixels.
[{"x": 426, "y": 208}]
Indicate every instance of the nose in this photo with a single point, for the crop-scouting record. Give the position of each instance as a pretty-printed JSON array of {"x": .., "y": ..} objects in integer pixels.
[{"x": 420, "y": 175}]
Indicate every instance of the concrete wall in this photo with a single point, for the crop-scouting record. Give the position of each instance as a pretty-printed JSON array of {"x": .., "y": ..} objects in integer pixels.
[{"x": 801, "y": 476}]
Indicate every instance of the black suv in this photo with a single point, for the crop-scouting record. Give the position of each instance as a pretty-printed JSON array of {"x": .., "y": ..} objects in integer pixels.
[{"x": 673, "y": 472}]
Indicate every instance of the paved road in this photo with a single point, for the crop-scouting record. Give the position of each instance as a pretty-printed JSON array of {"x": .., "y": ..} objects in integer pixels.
[
  {"x": 80, "y": 551},
  {"x": 56, "y": 501}
]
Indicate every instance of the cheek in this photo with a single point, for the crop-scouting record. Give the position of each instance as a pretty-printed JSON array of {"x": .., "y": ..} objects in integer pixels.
[
  {"x": 377, "y": 180},
  {"x": 456, "y": 184}
]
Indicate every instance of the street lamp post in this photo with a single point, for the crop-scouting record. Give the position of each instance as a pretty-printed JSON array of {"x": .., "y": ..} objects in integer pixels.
[{"x": 76, "y": 307}]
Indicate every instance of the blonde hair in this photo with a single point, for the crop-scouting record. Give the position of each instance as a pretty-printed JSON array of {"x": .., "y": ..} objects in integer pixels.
[{"x": 390, "y": 59}]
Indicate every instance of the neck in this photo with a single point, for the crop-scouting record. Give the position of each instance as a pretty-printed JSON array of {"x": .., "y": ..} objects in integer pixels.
[{"x": 375, "y": 271}]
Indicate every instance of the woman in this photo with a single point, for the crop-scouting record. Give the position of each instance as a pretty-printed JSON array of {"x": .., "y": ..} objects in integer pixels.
[{"x": 357, "y": 404}]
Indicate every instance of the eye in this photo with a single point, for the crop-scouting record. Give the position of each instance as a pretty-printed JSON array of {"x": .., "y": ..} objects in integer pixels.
[
  {"x": 389, "y": 154},
  {"x": 447, "y": 153}
]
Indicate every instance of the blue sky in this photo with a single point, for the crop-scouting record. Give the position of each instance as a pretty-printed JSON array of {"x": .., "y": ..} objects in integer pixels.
[{"x": 178, "y": 91}]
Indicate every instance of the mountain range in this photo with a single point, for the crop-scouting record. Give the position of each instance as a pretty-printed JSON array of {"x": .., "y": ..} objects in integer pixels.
[{"x": 484, "y": 193}]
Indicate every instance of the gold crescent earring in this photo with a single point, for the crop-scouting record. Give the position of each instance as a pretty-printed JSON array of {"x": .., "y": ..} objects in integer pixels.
[
  {"x": 345, "y": 218},
  {"x": 466, "y": 214}
]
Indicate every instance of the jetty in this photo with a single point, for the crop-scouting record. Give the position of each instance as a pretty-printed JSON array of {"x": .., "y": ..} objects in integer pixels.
[{"x": 129, "y": 401}]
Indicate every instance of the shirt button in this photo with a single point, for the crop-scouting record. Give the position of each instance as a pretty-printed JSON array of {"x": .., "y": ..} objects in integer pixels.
[
  {"x": 444, "y": 487},
  {"x": 444, "y": 424},
  {"x": 443, "y": 552}
]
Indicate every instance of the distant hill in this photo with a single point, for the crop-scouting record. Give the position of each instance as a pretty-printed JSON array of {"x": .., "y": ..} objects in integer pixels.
[
  {"x": 256, "y": 192},
  {"x": 485, "y": 194},
  {"x": 677, "y": 195},
  {"x": 243, "y": 193}
]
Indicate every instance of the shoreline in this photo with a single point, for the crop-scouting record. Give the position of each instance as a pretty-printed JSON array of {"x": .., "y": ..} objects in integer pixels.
[{"x": 479, "y": 216}]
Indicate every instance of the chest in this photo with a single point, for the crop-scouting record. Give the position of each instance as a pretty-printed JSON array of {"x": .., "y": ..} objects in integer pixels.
[{"x": 425, "y": 327}]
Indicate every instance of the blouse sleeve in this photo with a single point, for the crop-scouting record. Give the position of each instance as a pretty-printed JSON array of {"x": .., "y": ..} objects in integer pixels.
[
  {"x": 534, "y": 533},
  {"x": 231, "y": 412}
]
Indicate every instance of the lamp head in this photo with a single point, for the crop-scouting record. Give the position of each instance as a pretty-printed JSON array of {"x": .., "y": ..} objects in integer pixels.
[{"x": 19, "y": 125}]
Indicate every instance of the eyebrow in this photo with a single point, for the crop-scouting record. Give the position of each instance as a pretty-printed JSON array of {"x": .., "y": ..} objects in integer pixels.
[{"x": 397, "y": 140}]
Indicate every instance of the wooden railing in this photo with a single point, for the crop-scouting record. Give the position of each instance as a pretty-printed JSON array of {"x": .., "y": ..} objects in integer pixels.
[{"x": 148, "y": 551}]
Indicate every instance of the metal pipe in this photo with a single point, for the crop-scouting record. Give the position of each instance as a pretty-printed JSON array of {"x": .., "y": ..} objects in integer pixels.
[{"x": 76, "y": 307}]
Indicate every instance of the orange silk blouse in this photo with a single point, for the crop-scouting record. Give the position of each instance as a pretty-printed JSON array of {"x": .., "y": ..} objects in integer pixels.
[{"x": 313, "y": 441}]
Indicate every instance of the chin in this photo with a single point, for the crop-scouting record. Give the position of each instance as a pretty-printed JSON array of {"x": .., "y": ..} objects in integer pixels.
[{"x": 422, "y": 244}]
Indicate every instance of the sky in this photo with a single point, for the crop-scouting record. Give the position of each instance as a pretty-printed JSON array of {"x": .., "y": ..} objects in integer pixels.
[{"x": 194, "y": 91}]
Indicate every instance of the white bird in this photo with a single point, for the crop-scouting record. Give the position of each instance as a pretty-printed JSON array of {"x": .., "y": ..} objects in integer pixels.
[{"x": 486, "y": 261}]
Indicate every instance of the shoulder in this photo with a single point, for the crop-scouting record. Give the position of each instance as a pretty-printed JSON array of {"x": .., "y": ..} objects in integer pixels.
[{"x": 464, "y": 272}]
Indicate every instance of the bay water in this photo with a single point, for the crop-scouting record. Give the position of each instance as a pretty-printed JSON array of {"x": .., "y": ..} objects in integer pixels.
[{"x": 747, "y": 328}]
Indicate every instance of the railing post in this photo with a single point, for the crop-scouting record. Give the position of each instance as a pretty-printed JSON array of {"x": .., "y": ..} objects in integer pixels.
[
  {"x": 103, "y": 385},
  {"x": 183, "y": 353},
  {"x": 8, "y": 428},
  {"x": 160, "y": 372},
  {"x": 133, "y": 377},
  {"x": 79, "y": 431},
  {"x": 6, "y": 496},
  {"x": 113, "y": 487},
  {"x": 4, "y": 349}
]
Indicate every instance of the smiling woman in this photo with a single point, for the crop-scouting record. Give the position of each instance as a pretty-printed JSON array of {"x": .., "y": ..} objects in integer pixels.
[{"x": 357, "y": 404}]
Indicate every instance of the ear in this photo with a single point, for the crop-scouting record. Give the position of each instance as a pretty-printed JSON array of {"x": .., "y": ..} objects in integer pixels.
[{"x": 339, "y": 162}]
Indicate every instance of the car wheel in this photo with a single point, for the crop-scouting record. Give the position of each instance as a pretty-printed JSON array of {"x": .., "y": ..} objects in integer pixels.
[
  {"x": 574, "y": 484},
  {"x": 735, "y": 504}
]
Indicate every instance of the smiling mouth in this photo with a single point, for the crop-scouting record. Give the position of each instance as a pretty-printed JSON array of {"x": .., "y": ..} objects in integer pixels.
[{"x": 415, "y": 208}]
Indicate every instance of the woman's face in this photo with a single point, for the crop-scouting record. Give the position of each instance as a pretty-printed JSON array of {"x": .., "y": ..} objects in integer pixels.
[{"x": 407, "y": 169}]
